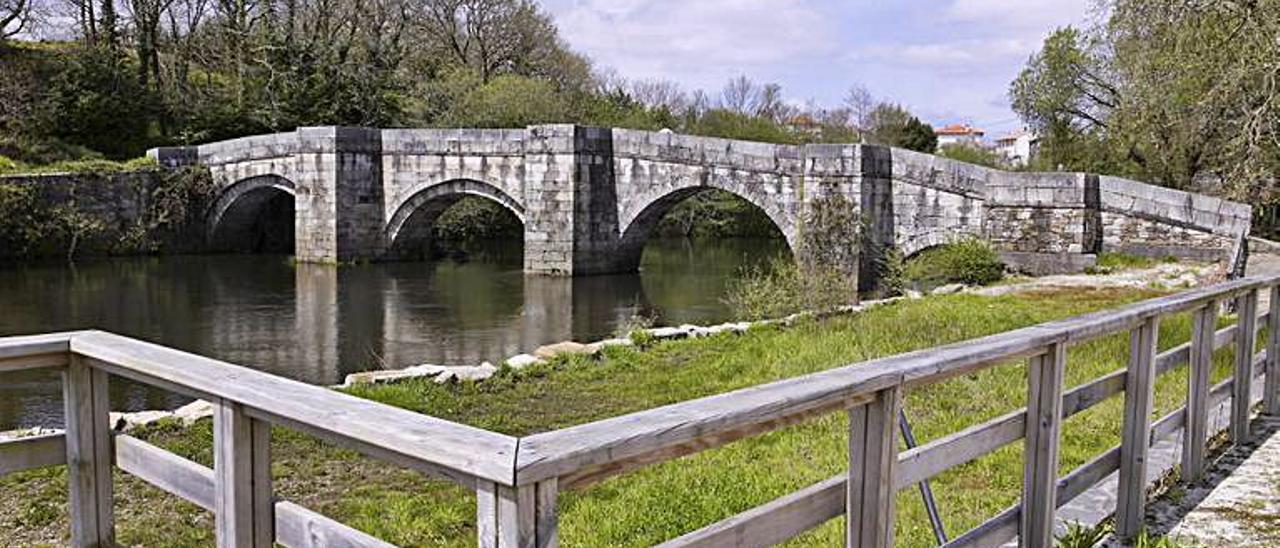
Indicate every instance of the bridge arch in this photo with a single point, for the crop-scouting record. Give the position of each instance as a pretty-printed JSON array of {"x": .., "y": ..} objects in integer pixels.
[
  {"x": 643, "y": 215},
  {"x": 235, "y": 219},
  {"x": 414, "y": 218}
]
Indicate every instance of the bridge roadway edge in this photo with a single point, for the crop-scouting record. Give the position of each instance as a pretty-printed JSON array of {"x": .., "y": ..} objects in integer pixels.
[{"x": 582, "y": 189}]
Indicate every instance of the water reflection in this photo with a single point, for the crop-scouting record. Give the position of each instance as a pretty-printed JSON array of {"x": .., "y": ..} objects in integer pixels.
[{"x": 317, "y": 323}]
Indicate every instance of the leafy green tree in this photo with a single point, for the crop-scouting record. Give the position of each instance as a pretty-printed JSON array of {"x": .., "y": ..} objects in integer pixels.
[
  {"x": 1176, "y": 92},
  {"x": 893, "y": 125},
  {"x": 972, "y": 155}
]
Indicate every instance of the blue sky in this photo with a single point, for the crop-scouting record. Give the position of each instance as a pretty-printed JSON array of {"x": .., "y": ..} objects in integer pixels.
[{"x": 947, "y": 60}]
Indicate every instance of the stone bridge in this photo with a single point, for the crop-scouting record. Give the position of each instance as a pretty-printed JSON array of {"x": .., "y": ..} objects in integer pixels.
[{"x": 590, "y": 197}]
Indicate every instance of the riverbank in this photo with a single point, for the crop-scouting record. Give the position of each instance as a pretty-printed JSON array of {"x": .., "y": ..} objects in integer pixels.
[{"x": 660, "y": 502}]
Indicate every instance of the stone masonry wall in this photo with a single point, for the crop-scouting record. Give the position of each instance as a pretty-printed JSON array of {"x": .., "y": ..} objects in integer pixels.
[{"x": 589, "y": 197}]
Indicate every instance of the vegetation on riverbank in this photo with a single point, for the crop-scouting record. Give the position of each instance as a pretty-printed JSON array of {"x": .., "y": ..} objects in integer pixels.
[
  {"x": 665, "y": 500},
  {"x": 90, "y": 215}
]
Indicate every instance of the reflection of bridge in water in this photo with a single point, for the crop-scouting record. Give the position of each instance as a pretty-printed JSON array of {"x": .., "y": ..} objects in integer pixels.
[{"x": 316, "y": 323}]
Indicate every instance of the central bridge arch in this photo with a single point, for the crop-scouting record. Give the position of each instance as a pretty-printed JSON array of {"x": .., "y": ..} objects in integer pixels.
[
  {"x": 409, "y": 228},
  {"x": 640, "y": 218}
]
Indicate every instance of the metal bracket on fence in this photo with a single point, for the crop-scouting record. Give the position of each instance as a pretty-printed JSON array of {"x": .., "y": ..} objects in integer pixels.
[{"x": 926, "y": 493}]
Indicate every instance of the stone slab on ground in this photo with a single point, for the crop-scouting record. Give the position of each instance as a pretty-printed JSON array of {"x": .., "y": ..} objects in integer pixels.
[{"x": 1244, "y": 509}]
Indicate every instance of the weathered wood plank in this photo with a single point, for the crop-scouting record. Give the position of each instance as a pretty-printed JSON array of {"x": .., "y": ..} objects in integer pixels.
[
  {"x": 564, "y": 453},
  {"x": 1246, "y": 338},
  {"x": 486, "y": 514},
  {"x": 295, "y": 526},
  {"x": 873, "y": 454},
  {"x": 601, "y": 449},
  {"x": 773, "y": 522},
  {"x": 928, "y": 460},
  {"x": 167, "y": 471},
  {"x": 298, "y": 527},
  {"x": 419, "y": 441},
  {"x": 88, "y": 441},
  {"x": 517, "y": 516},
  {"x": 243, "y": 507},
  {"x": 1271, "y": 386},
  {"x": 1087, "y": 475},
  {"x": 957, "y": 448},
  {"x": 33, "y": 345},
  {"x": 1044, "y": 425},
  {"x": 1136, "y": 430},
  {"x": 31, "y": 452},
  {"x": 548, "y": 513},
  {"x": 34, "y": 361},
  {"x": 1197, "y": 415},
  {"x": 996, "y": 531}
]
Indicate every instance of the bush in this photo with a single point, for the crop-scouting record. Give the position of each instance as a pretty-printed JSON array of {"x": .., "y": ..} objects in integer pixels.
[
  {"x": 968, "y": 260},
  {"x": 784, "y": 287}
]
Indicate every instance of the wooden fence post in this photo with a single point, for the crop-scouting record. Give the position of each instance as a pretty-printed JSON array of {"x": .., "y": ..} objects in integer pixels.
[
  {"x": 89, "y": 455},
  {"x": 873, "y": 453},
  {"x": 1139, "y": 391},
  {"x": 1271, "y": 388},
  {"x": 517, "y": 517},
  {"x": 1195, "y": 432},
  {"x": 244, "y": 508},
  {"x": 1040, "y": 457},
  {"x": 1242, "y": 387}
]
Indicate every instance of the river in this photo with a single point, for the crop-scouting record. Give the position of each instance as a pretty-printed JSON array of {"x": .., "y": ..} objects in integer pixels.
[{"x": 317, "y": 323}]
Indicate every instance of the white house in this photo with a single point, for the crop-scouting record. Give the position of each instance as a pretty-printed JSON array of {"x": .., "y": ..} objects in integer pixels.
[
  {"x": 1018, "y": 147},
  {"x": 959, "y": 134}
]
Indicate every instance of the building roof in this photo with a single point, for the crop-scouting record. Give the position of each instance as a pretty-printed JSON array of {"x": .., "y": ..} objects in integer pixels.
[{"x": 959, "y": 129}]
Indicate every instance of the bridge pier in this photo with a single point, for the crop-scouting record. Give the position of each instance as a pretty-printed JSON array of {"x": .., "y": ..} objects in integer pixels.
[
  {"x": 338, "y": 195},
  {"x": 590, "y": 197}
]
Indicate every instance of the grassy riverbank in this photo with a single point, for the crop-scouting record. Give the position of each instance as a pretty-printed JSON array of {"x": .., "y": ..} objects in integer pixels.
[{"x": 662, "y": 501}]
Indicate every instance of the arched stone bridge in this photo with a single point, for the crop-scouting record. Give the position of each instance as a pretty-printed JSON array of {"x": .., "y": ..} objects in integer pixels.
[{"x": 590, "y": 197}]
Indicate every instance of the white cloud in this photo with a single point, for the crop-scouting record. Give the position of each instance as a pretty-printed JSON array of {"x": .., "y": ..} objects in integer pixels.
[
  {"x": 699, "y": 43},
  {"x": 1017, "y": 14}
]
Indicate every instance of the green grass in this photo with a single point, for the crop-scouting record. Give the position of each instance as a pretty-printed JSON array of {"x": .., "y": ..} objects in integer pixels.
[
  {"x": 665, "y": 500},
  {"x": 1115, "y": 262},
  {"x": 9, "y": 166}
]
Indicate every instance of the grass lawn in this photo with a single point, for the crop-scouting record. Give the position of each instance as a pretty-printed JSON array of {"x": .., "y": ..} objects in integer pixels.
[{"x": 662, "y": 501}]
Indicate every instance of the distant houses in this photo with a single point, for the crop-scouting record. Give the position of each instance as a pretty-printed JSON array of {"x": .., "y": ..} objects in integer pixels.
[
  {"x": 959, "y": 134},
  {"x": 1016, "y": 148}
]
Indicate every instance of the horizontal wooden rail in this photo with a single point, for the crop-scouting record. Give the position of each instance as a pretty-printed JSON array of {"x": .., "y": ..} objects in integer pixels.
[
  {"x": 593, "y": 451},
  {"x": 812, "y": 506},
  {"x": 17, "y": 455},
  {"x": 410, "y": 439},
  {"x": 518, "y": 481}
]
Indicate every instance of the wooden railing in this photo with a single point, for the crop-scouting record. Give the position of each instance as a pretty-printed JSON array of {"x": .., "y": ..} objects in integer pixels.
[{"x": 518, "y": 481}]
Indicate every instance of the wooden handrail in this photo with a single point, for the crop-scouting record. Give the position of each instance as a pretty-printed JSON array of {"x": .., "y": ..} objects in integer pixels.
[
  {"x": 411, "y": 439},
  {"x": 517, "y": 480},
  {"x": 611, "y": 443}
]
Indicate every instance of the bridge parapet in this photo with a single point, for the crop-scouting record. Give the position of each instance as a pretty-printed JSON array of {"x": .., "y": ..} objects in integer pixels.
[{"x": 590, "y": 197}]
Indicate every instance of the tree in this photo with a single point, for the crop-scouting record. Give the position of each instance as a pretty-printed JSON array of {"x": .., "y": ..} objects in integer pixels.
[
  {"x": 893, "y": 125},
  {"x": 740, "y": 95},
  {"x": 860, "y": 103},
  {"x": 1178, "y": 92},
  {"x": 15, "y": 15}
]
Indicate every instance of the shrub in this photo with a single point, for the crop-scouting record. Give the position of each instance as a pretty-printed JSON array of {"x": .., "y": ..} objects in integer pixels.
[
  {"x": 967, "y": 260},
  {"x": 783, "y": 287}
]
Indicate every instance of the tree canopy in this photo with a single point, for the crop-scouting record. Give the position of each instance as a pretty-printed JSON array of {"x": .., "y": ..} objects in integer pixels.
[
  {"x": 1178, "y": 92},
  {"x": 129, "y": 74}
]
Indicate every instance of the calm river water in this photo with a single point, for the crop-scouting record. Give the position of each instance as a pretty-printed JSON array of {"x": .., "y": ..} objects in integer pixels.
[{"x": 318, "y": 323}]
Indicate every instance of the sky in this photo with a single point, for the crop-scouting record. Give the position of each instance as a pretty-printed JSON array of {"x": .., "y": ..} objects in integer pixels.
[{"x": 949, "y": 61}]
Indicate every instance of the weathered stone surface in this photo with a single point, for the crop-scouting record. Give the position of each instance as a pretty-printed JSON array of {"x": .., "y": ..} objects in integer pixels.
[
  {"x": 590, "y": 198},
  {"x": 465, "y": 373},
  {"x": 521, "y": 361},
  {"x": 947, "y": 289},
  {"x": 549, "y": 351}
]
